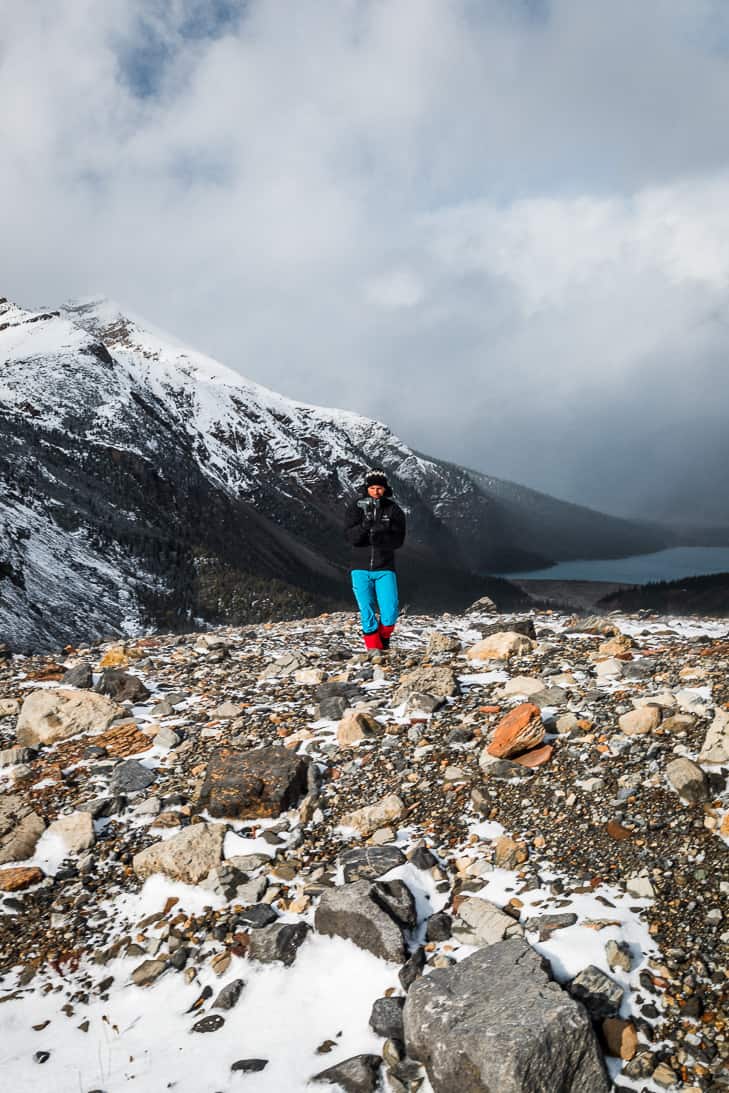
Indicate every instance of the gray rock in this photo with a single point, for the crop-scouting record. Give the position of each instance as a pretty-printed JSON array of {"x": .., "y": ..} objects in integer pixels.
[
  {"x": 20, "y": 828},
  {"x": 386, "y": 1018},
  {"x": 442, "y": 643},
  {"x": 78, "y": 675},
  {"x": 11, "y": 757},
  {"x": 689, "y": 780},
  {"x": 166, "y": 738},
  {"x": 495, "y": 1022},
  {"x": 412, "y": 969},
  {"x": 618, "y": 955},
  {"x": 600, "y": 995},
  {"x": 421, "y": 702},
  {"x": 715, "y": 748},
  {"x": 359, "y": 1074},
  {"x": 257, "y": 916},
  {"x": 352, "y": 911},
  {"x": 57, "y": 713},
  {"x": 251, "y": 891},
  {"x": 486, "y": 922},
  {"x": 546, "y": 925},
  {"x": 395, "y": 897},
  {"x": 370, "y": 862},
  {"x": 440, "y": 681},
  {"x": 514, "y": 626},
  {"x": 131, "y": 776},
  {"x": 224, "y": 880},
  {"x": 280, "y": 941},
  {"x": 121, "y": 686},
  {"x": 438, "y": 927},
  {"x": 332, "y": 708},
  {"x": 148, "y": 971},
  {"x": 228, "y": 997}
]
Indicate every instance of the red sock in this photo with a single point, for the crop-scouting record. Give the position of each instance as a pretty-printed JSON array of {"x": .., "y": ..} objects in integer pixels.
[{"x": 373, "y": 640}]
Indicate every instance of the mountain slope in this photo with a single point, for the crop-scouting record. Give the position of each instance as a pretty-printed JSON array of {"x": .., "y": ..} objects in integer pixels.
[{"x": 145, "y": 484}]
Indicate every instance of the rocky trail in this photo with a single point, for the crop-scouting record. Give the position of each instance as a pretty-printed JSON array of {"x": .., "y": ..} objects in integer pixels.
[{"x": 258, "y": 859}]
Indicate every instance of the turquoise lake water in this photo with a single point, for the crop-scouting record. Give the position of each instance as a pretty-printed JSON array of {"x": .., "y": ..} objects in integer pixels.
[{"x": 665, "y": 565}]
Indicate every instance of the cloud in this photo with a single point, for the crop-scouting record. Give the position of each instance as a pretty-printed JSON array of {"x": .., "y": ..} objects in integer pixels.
[{"x": 501, "y": 227}]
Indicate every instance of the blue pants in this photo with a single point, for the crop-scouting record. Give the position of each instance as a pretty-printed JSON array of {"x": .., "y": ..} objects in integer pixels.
[{"x": 375, "y": 589}]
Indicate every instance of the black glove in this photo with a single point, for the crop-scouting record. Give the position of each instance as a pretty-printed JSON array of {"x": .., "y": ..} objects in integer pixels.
[{"x": 368, "y": 511}]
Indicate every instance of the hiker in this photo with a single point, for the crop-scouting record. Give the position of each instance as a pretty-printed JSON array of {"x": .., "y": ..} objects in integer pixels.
[{"x": 375, "y": 528}]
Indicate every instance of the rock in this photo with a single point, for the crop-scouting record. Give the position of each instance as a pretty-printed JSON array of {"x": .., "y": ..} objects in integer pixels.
[
  {"x": 412, "y": 969},
  {"x": 246, "y": 785},
  {"x": 367, "y": 820},
  {"x": 495, "y": 1022},
  {"x": 352, "y": 911},
  {"x": 520, "y": 685},
  {"x": 278, "y": 942},
  {"x": 665, "y": 699},
  {"x": 537, "y": 757},
  {"x": 356, "y": 726},
  {"x": 211, "y": 1023},
  {"x": 488, "y": 923},
  {"x": 370, "y": 862},
  {"x": 131, "y": 776},
  {"x": 309, "y": 676},
  {"x": 501, "y": 646},
  {"x": 9, "y": 707},
  {"x": 514, "y": 626},
  {"x": 565, "y": 723},
  {"x": 10, "y": 757},
  {"x": 188, "y": 856},
  {"x": 226, "y": 881},
  {"x": 284, "y": 665},
  {"x": 438, "y": 681},
  {"x": 508, "y": 853},
  {"x": 79, "y": 675},
  {"x": 257, "y": 916},
  {"x": 664, "y": 1076},
  {"x": 114, "y": 657},
  {"x": 546, "y": 925},
  {"x": 227, "y": 710},
  {"x": 484, "y": 606},
  {"x": 503, "y": 770},
  {"x": 386, "y": 1018},
  {"x": 54, "y": 714},
  {"x": 441, "y": 643},
  {"x": 679, "y": 722},
  {"x": 621, "y": 1039},
  {"x": 18, "y": 878},
  {"x": 616, "y": 646},
  {"x": 689, "y": 780},
  {"x": 715, "y": 748},
  {"x": 166, "y": 739},
  {"x": 438, "y": 927},
  {"x": 332, "y": 708},
  {"x": 395, "y": 897},
  {"x": 618, "y": 955},
  {"x": 228, "y": 997},
  {"x": 641, "y": 721},
  {"x": 419, "y": 702},
  {"x": 600, "y": 995},
  {"x": 20, "y": 828},
  {"x": 640, "y": 886},
  {"x": 249, "y": 1066},
  {"x": 520, "y": 730},
  {"x": 360, "y": 1074},
  {"x": 76, "y": 831},
  {"x": 691, "y": 701},
  {"x": 148, "y": 971},
  {"x": 610, "y": 669},
  {"x": 121, "y": 686}
]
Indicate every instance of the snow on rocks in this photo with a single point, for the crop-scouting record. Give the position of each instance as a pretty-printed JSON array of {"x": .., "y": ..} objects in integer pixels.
[{"x": 595, "y": 857}]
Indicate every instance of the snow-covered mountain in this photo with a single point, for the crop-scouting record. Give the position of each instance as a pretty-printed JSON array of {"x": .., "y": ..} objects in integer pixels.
[{"x": 143, "y": 484}]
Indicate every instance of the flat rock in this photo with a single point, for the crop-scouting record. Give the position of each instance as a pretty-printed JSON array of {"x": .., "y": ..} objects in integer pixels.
[
  {"x": 121, "y": 686},
  {"x": 368, "y": 819},
  {"x": 188, "y": 856},
  {"x": 496, "y": 1022},
  {"x": 131, "y": 776},
  {"x": 641, "y": 721},
  {"x": 441, "y": 643},
  {"x": 370, "y": 862},
  {"x": 20, "y": 828},
  {"x": 54, "y": 714},
  {"x": 352, "y": 911},
  {"x": 438, "y": 681},
  {"x": 17, "y": 878},
  {"x": 520, "y": 730},
  {"x": 487, "y": 922},
  {"x": 501, "y": 646},
  {"x": 247, "y": 785},
  {"x": 537, "y": 757},
  {"x": 279, "y": 942},
  {"x": 148, "y": 971},
  {"x": 360, "y": 1074},
  {"x": 520, "y": 685}
]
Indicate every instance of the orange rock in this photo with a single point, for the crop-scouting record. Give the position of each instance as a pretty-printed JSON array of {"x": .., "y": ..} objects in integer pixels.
[
  {"x": 114, "y": 658},
  {"x": 621, "y": 1039},
  {"x": 617, "y": 831},
  {"x": 537, "y": 757},
  {"x": 20, "y": 877},
  {"x": 724, "y": 829},
  {"x": 520, "y": 730},
  {"x": 489, "y": 709},
  {"x": 123, "y": 740}
]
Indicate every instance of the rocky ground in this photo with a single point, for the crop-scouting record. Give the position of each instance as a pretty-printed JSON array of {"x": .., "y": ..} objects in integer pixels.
[{"x": 494, "y": 858}]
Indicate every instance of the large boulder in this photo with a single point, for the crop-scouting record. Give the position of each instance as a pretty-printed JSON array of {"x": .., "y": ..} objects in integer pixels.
[
  {"x": 501, "y": 646},
  {"x": 20, "y": 828},
  {"x": 248, "y": 785},
  {"x": 55, "y": 714},
  {"x": 497, "y": 1022},
  {"x": 188, "y": 856},
  {"x": 716, "y": 744},
  {"x": 518, "y": 731},
  {"x": 353, "y": 911}
]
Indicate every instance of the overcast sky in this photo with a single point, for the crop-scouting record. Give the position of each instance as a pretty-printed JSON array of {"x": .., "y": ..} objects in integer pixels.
[{"x": 501, "y": 226}]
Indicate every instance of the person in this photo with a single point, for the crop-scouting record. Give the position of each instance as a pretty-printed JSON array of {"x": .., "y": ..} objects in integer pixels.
[{"x": 375, "y": 529}]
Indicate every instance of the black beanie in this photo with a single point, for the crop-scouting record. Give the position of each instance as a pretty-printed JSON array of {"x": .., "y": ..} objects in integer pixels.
[{"x": 376, "y": 477}]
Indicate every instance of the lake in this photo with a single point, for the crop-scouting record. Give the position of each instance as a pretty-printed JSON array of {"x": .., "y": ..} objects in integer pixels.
[{"x": 665, "y": 565}]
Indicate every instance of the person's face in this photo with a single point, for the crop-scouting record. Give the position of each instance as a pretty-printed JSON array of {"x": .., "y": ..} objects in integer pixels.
[{"x": 376, "y": 491}]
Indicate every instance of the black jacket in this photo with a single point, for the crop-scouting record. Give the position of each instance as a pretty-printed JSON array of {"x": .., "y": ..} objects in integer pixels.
[{"x": 374, "y": 530}]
